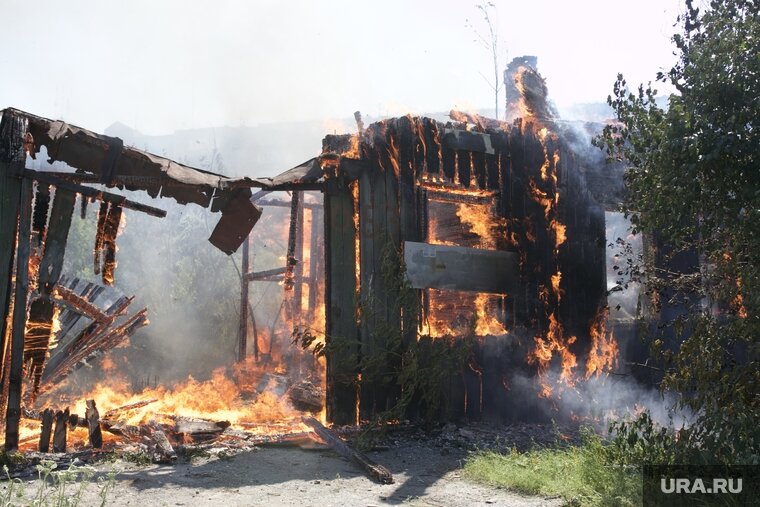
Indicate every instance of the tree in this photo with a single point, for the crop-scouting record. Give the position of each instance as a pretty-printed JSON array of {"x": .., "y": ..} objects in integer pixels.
[
  {"x": 694, "y": 182},
  {"x": 490, "y": 42}
]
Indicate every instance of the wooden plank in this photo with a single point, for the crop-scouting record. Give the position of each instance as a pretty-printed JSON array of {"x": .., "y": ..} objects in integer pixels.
[
  {"x": 448, "y": 161},
  {"x": 368, "y": 261},
  {"x": 479, "y": 168},
  {"x": 315, "y": 251},
  {"x": 378, "y": 472},
  {"x": 340, "y": 280},
  {"x": 419, "y": 147},
  {"x": 464, "y": 168},
  {"x": 409, "y": 231},
  {"x": 55, "y": 243},
  {"x": 381, "y": 300},
  {"x": 15, "y": 377},
  {"x": 433, "y": 147}
]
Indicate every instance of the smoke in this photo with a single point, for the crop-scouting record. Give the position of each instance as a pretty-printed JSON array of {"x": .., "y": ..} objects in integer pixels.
[
  {"x": 191, "y": 289},
  {"x": 599, "y": 401}
]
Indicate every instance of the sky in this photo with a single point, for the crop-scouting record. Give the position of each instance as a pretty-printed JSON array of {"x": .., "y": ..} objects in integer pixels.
[{"x": 166, "y": 65}]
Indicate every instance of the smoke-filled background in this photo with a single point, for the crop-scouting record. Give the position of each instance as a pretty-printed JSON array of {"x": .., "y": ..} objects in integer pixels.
[{"x": 250, "y": 88}]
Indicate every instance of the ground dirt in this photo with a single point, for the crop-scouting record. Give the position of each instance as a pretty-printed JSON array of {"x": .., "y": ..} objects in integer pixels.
[{"x": 427, "y": 469}]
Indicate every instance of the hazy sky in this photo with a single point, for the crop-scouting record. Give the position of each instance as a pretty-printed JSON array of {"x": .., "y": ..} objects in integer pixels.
[{"x": 159, "y": 65}]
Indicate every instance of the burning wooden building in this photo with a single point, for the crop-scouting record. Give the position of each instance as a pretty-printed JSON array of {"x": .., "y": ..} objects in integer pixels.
[
  {"x": 431, "y": 264},
  {"x": 474, "y": 234}
]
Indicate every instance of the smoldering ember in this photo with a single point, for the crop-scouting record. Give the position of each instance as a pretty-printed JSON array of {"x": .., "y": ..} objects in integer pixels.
[{"x": 448, "y": 285}]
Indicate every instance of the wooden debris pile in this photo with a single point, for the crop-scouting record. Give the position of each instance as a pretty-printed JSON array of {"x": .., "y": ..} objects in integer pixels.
[{"x": 167, "y": 435}]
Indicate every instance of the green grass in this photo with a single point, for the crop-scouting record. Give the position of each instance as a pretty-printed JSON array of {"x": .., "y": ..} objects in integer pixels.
[{"x": 578, "y": 475}]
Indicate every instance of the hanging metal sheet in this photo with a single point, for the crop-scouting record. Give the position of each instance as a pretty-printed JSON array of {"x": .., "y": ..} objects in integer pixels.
[{"x": 460, "y": 268}]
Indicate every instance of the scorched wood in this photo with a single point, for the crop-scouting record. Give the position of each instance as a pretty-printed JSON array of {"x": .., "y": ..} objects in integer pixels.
[
  {"x": 59, "y": 433},
  {"x": 376, "y": 471},
  {"x": 162, "y": 449},
  {"x": 46, "y": 427},
  {"x": 93, "y": 425},
  {"x": 15, "y": 377}
]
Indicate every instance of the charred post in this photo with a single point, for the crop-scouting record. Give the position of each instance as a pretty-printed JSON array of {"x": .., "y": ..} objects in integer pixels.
[{"x": 45, "y": 429}]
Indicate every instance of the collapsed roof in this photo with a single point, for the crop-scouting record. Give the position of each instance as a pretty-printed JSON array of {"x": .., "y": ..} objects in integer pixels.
[{"x": 112, "y": 164}]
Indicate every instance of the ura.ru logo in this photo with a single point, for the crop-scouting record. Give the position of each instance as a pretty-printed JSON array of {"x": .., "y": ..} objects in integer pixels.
[{"x": 716, "y": 485}]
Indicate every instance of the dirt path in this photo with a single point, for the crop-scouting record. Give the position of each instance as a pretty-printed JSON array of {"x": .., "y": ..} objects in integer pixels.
[
  {"x": 305, "y": 478},
  {"x": 424, "y": 476}
]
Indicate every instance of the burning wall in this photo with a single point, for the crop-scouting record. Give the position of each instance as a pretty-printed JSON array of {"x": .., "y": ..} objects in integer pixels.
[{"x": 472, "y": 183}]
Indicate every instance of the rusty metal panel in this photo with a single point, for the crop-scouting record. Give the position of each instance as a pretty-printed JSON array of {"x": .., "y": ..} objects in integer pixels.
[
  {"x": 238, "y": 218},
  {"x": 460, "y": 268}
]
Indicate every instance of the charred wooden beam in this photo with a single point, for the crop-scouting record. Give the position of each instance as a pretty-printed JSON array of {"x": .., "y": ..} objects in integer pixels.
[
  {"x": 446, "y": 194},
  {"x": 292, "y": 234},
  {"x": 45, "y": 430},
  {"x": 305, "y": 395},
  {"x": 266, "y": 275},
  {"x": 340, "y": 291},
  {"x": 432, "y": 147},
  {"x": 15, "y": 377},
  {"x": 55, "y": 243},
  {"x": 92, "y": 347},
  {"x": 79, "y": 303},
  {"x": 93, "y": 425},
  {"x": 100, "y": 237},
  {"x": 59, "y": 433},
  {"x": 100, "y": 195},
  {"x": 315, "y": 249},
  {"x": 40, "y": 214},
  {"x": 37, "y": 340},
  {"x": 162, "y": 449},
  {"x": 448, "y": 161},
  {"x": 92, "y": 333},
  {"x": 378, "y": 472},
  {"x": 109, "y": 243},
  {"x": 243, "y": 323},
  {"x": 464, "y": 168},
  {"x": 198, "y": 428},
  {"x": 298, "y": 268},
  {"x": 278, "y": 203},
  {"x": 12, "y": 159},
  {"x": 126, "y": 408}
]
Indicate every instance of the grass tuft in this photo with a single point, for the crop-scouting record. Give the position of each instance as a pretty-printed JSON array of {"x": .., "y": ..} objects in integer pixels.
[{"x": 580, "y": 475}]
